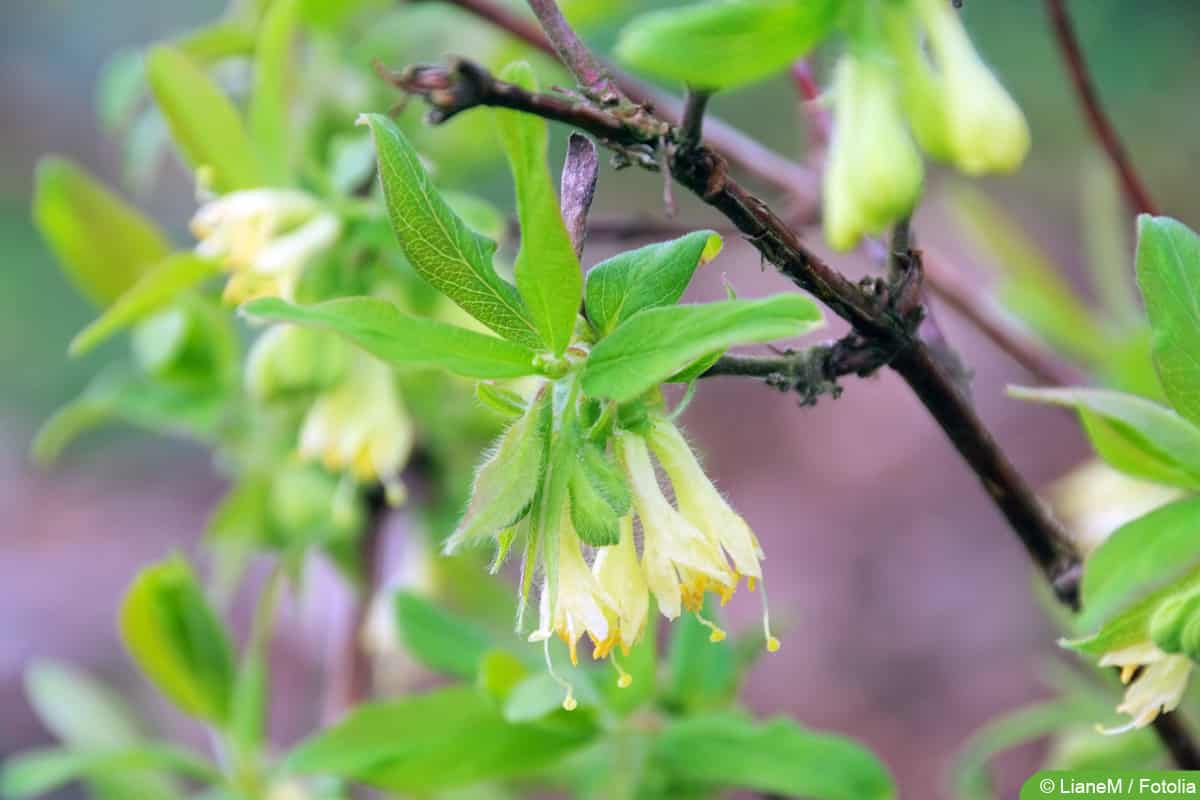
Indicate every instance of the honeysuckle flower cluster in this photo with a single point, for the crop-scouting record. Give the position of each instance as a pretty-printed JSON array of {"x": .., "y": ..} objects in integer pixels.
[
  {"x": 688, "y": 548},
  {"x": 265, "y": 237},
  {"x": 889, "y": 89}
]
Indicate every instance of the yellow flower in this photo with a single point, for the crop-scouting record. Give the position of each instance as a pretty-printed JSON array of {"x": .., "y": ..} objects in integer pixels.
[
  {"x": 680, "y": 563},
  {"x": 620, "y": 575},
  {"x": 361, "y": 426},
  {"x": 266, "y": 237},
  {"x": 1158, "y": 688},
  {"x": 986, "y": 130},
  {"x": 580, "y": 605}
]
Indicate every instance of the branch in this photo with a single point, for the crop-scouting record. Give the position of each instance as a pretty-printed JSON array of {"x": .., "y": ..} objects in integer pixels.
[
  {"x": 811, "y": 372},
  {"x": 879, "y": 312},
  {"x": 1135, "y": 191},
  {"x": 571, "y": 50}
]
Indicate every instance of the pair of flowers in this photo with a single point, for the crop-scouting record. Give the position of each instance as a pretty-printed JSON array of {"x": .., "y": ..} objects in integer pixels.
[
  {"x": 956, "y": 109},
  {"x": 695, "y": 546}
]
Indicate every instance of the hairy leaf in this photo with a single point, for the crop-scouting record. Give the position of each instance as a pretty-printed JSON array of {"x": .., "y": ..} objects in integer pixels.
[
  {"x": 547, "y": 270},
  {"x": 380, "y": 328},
  {"x": 654, "y": 275},
  {"x": 178, "y": 641},
  {"x": 726, "y": 44},
  {"x": 453, "y": 258},
  {"x": 594, "y": 519},
  {"x": 450, "y": 737},
  {"x": 1136, "y": 435},
  {"x": 656, "y": 343},
  {"x": 778, "y": 756},
  {"x": 1168, "y": 269},
  {"x": 206, "y": 127},
  {"x": 103, "y": 244}
]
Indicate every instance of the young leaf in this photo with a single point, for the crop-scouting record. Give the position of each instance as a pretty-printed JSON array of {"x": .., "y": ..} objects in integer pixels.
[
  {"x": 654, "y": 275},
  {"x": 1168, "y": 269},
  {"x": 1140, "y": 556},
  {"x": 206, "y": 127},
  {"x": 268, "y": 111},
  {"x": 450, "y": 737},
  {"x": 779, "y": 757},
  {"x": 547, "y": 270},
  {"x": 606, "y": 477},
  {"x": 152, "y": 292},
  {"x": 727, "y": 44},
  {"x": 1131, "y": 626},
  {"x": 381, "y": 329},
  {"x": 103, "y": 243},
  {"x": 79, "y": 710},
  {"x": 654, "y": 344},
  {"x": 1135, "y": 435},
  {"x": 39, "y": 772},
  {"x": 594, "y": 519},
  {"x": 177, "y": 640},
  {"x": 506, "y": 481},
  {"x": 438, "y": 639},
  {"x": 454, "y": 259}
]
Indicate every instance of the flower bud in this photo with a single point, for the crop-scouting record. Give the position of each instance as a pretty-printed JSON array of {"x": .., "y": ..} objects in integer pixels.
[
  {"x": 292, "y": 359},
  {"x": 922, "y": 90},
  {"x": 875, "y": 173},
  {"x": 1171, "y": 627},
  {"x": 986, "y": 128}
]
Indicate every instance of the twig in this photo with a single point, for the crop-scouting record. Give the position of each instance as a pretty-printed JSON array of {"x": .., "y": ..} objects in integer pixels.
[
  {"x": 691, "y": 129},
  {"x": 1135, "y": 190},
  {"x": 592, "y": 76}
]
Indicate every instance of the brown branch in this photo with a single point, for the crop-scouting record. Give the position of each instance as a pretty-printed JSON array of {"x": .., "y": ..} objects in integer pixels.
[
  {"x": 592, "y": 76},
  {"x": 691, "y": 129},
  {"x": 877, "y": 310},
  {"x": 1135, "y": 190}
]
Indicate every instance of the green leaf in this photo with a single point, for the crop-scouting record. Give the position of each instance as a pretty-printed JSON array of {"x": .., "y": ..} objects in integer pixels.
[
  {"x": 605, "y": 476},
  {"x": 547, "y": 270},
  {"x": 252, "y": 684},
  {"x": 595, "y": 521},
  {"x": 451, "y": 737},
  {"x": 36, "y": 773},
  {"x": 1131, "y": 626},
  {"x": 268, "y": 111},
  {"x": 726, "y": 44},
  {"x": 1140, "y": 556},
  {"x": 152, "y": 292},
  {"x": 119, "y": 88},
  {"x": 654, "y": 344},
  {"x": 381, "y": 329},
  {"x": 450, "y": 256},
  {"x": 507, "y": 480},
  {"x": 969, "y": 772},
  {"x": 206, "y": 127},
  {"x": 654, "y": 275},
  {"x": 1135, "y": 435},
  {"x": 540, "y": 697},
  {"x": 778, "y": 757},
  {"x": 103, "y": 243},
  {"x": 78, "y": 709},
  {"x": 176, "y": 639},
  {"x": 702, "y": 674},
  {"x": 1168, "y": 269},
  {"x": 1031, "y": 287},
  {"x": 438, "y": 639}
]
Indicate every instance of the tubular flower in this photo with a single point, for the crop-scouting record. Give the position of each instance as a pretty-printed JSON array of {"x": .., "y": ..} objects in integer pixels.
[
  {"x": 579, "y": 603},
  {"x": 1158, "y": 688},
  {"x": 619, "y": 574},
  {"x": 679, "y": 561},
  {"x": 361, "y": 426},
  {"x": 986, "y": 130},
  {"x": 266, "y": 237},
  {"x": 875, "y": 173}
]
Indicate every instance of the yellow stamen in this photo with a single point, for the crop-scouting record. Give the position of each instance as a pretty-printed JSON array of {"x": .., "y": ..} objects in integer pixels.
[
  {"x": 624, "y": 679},
  {"x": 717, "y": 634},
  {"x": 773, "y": 643},
  {"x": 569, "y": 703},
  {"x": 1127, "y": 673}
]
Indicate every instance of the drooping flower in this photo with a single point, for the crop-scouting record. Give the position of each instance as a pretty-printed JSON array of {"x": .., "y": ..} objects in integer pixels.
[
  {"x": 875, "y": 174},
  {"x": 986, "y": 130},
  {"x": 679, "y": 561},
  {"x": 620, "y": 575},
  {"x": 266, "y": 237},
  {"x": 361, "y": 426},
  {"x": 1157, "y": 689}
]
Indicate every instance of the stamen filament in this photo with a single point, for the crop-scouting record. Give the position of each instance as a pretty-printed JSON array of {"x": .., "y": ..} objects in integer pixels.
[
  {"x": 773, "y": 643},
  {"x": 569, "y": 703},
  {"x": 717, "y": 634},
  {"x": 624, "y": 679}
]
